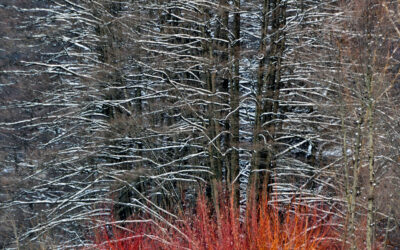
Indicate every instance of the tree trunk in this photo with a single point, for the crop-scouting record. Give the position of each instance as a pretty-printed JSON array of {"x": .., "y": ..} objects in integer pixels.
[
  {"x": 267, "y": 98},
  {"x": 371, "y": 168},
  {"x": 234, "y": 103}
]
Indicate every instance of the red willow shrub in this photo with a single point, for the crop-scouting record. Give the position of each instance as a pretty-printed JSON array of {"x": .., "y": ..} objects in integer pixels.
[{"x": 266, "y": 226}]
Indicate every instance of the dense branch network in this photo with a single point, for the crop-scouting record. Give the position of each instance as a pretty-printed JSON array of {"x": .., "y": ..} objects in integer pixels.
[{"x": 132, "y": 107}]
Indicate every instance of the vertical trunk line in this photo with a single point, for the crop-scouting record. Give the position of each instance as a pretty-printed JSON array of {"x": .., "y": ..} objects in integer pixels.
[
  {"x": 215, "y": 175},
  {"x": 252, "y": 195},
  {"x": 356, "y": 170},
  {"x": 234, "y": 101},
  {"x": 371, "y": 156}
]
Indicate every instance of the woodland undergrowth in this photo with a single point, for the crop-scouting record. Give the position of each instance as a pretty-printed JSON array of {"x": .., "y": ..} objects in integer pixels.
[{"x": 266, "y": 225}]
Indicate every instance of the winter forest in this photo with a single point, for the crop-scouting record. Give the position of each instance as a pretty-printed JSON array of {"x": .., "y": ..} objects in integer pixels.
[{"x": 199, "y": 124}]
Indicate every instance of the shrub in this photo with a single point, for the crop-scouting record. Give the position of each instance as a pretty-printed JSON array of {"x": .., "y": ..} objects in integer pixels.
[{"x": 265, "y": 226}]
